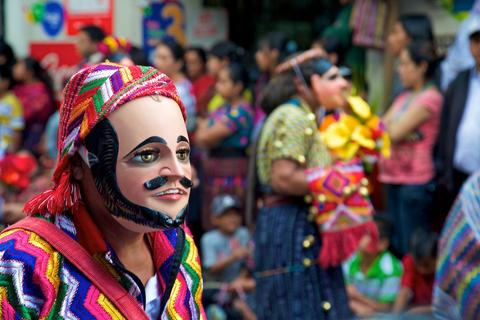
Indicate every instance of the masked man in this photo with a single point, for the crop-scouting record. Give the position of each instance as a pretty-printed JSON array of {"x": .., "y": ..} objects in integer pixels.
[{"x": 120, "y": 193}]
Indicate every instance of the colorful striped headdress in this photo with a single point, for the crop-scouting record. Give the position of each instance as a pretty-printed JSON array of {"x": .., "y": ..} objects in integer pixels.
[{"x": 90, "y": 96}]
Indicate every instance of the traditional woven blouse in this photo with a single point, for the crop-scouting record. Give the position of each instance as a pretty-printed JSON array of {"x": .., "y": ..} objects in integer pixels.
[{"x": 290, "y": 132}]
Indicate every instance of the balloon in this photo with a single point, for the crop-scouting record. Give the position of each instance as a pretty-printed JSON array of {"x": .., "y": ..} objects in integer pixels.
[
  {"x": 53, "y": 18},
  {"x": 29, "y": 16},
  {"x": 38, "y": 10}
]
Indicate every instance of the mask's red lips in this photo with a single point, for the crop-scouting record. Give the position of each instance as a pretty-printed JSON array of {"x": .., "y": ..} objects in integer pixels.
[{"x": 171, "y": 194}]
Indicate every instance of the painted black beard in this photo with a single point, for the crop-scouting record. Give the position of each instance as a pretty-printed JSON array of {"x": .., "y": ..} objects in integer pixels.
[{"x": 102, "y": 141}]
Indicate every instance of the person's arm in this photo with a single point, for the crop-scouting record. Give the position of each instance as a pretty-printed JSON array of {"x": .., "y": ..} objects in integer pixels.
[
  {"x": 388, "y": 116},
  {"x": 361, "y": 310},
  {"x": 376, "y": 306},
  {"x": 410, "y": 121},
  {"x": 237, "y": 254},
  {"x": 420, "y": 310},
  {"x": 241, "y": 306},
  {"x": 210, "y": 137},
  {"x": 402, "y": 300},
  {"x": 289, "y": 178},
  {"x": 244, "y": 282},
  {"x": 407, "y": 285}
]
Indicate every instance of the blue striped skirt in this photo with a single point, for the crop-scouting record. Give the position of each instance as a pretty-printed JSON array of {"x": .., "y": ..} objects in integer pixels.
[{"x": 290, "y": 283}]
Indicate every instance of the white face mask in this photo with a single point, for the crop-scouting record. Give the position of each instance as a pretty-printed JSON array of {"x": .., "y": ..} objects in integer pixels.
[{"x": 147, "y": 186}]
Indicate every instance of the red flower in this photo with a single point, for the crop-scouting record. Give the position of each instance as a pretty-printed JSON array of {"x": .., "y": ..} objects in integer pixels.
[{"x": 16, "y": 170}]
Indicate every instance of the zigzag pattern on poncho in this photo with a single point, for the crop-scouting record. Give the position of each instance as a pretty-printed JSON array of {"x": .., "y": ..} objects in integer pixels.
[{"x": 36, "y": 282}]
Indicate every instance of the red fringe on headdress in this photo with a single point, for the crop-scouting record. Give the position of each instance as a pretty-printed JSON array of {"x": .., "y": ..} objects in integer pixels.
[
  {"x": 337, "y": 246},
  {"x": 57, "y": 200}
]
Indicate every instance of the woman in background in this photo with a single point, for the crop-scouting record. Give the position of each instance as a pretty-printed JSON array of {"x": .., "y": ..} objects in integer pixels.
[
  {"x": 412, "y": 122},
  {"x": 221, "y": 55},
  {"x": 35, "y": 92},
  {"x": 290, "y": 282},
  {"x": 169, "y": 59},
  {"x": 272, "y": 49},
  {"x": 202, "y": 82},
  {"x": 408, "y": 28},
  {"x": 226, "y": 136}
]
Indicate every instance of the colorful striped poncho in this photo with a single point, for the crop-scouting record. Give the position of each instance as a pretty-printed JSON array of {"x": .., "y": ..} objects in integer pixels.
[
  {"x": 457, "y": 281},
  {"x": 37, "y": 282}
]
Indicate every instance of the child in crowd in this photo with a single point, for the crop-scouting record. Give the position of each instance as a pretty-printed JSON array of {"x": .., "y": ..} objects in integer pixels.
[
  {"x": 418, "y": 274},
  {"x": 225, "y": 251},
  {"x": 220, "y": 56},
  {"x": 226, "y": 135},
  {"x": 11, "y": 115},
  {"x": 373, "y": 274}
]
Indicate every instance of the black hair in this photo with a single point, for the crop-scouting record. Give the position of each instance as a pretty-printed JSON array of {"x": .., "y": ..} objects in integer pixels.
[
  {"x": 417, "y": 26},
  {"x": 384, "y": 226},
  {"x": 175, "y": 48},
  {"x": 200, "y": 52},
  {"x": 276, "y": 40},
  {"x": 423, "y": 244},
  {"x": 7, "y": 51},
  {"x": 282, "y": 86},
  {"x": 40, "y": 74},
  {"x": 6, "y": 74},
  {"x": 95, "y": 33},
  {"x": 278, "y": 90},
  {"x": 227, "y": 50},
  {"x": 138, "y": 56},
  {"x": 423, "y": 51},
  {"x": 238, "y": 73},
  {"x": 333, "y": 44}
]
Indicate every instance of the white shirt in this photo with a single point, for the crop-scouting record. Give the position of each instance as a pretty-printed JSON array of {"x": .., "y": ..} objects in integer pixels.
[
  {"x": 467, "y": 148},
  {"x": 152, "y": 298}
]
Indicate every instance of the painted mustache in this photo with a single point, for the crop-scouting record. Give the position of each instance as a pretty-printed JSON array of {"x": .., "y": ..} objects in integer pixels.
[
  {"x": 187, "y": 183},
  {"x": 160, "y": 181}
]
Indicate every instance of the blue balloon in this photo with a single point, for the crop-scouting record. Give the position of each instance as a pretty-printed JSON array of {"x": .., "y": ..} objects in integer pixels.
[{"x": 53, "y": 18}]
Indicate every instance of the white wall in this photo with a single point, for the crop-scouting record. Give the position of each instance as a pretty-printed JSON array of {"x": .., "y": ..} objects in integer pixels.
[{"x": 127, "y": 23}]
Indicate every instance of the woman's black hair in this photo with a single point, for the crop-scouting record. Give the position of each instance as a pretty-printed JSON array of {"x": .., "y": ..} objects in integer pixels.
[
  {"x": 333, "y": 44},
  {"x": 6, "y": 74},
  {"x": 278, "y": 90},
  {"x": 175, "y": 48},
  {"x": 276, "y": 40},
  {"x": 282, "y": 87},
  {"x": 138, "y": 56},
  {"x": 40, "y": 74},
  {"x": 227, "y": 50},
  {"x": 423, "y": 244},
  {"x": 7, "y": 51},
  {"x": 200, "y": 52},
  {"x": 95, "y": 33},
  {"x": 238, "y": 73},
  {"x": 417, "y": 27},
  {"x": 423, "y": 51}
]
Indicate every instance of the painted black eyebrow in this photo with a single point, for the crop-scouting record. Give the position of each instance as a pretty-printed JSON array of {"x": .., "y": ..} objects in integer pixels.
[
  {"x": 182, "y": 138},
  {"x": 151, "y": 139}
]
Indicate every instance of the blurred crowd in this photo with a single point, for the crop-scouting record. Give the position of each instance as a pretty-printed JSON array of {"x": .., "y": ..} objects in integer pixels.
[{"x": 432, "y": 122}]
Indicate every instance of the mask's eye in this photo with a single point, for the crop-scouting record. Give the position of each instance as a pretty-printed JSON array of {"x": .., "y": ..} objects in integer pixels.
[
  {"x": 146, "y": 156},
  {"x": 183, "y": 154}
]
